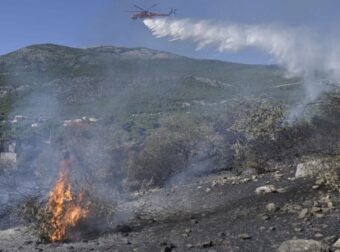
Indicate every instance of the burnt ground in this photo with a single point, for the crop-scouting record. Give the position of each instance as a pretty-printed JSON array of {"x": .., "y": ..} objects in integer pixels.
[{"x": 214, "y": 213}]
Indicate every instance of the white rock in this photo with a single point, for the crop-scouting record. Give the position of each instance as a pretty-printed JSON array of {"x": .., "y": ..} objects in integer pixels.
[
  {"x": 265, "y": 189},
  {"x": 282, "y": 190},
  {"x": 92, "y": 119},
  {"x": 337, "y": 244},
  {"x": 271, "y": 207},
  {"x": 303, "y": 213},
  {"x": 310, "y": 168}
]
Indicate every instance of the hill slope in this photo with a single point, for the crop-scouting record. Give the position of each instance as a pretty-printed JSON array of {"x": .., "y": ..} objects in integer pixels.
[
  {"x": 109, "y": 81},
  {"x": 179, "y": 184}
]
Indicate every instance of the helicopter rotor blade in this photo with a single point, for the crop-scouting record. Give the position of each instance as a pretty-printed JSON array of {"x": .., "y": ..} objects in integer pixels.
[
  {"x": 153, "y": 6},
  {"x": 139, "y": 7}
]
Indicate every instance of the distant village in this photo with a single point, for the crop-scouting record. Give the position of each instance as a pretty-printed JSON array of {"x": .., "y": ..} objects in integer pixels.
[{"x": 8, "y": 146}]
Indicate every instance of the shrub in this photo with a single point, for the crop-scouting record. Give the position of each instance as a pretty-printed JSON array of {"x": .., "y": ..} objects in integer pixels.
[
  {"x": 256, "y": 125},
  {"x": 254, "y": 160},
  {"x": 34, "y": 213},
  {"x": 330, "y": 179},
  {"x": 166, "y": 152},
  {"x": 258, "y": 118}
]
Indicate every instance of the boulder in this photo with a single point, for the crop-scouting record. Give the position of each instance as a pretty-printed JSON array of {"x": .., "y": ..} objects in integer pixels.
[
  {"x": 303, "y": 213},
  {"x": 303, "y": 246},
  {"x": 337, "y": 244},
  {"x": 312, "y": 167},
  {"x": 266, "y": 189}
]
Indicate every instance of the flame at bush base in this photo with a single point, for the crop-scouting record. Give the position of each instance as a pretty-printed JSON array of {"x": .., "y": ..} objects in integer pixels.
[{"x": 65, "y": 209}]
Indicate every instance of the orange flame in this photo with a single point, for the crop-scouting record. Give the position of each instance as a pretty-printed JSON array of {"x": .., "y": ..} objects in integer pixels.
[{"x": 66, "y": 210}]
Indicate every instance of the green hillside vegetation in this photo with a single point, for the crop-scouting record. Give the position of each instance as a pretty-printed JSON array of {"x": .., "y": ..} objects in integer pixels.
[{"x": 120, "y": 82}]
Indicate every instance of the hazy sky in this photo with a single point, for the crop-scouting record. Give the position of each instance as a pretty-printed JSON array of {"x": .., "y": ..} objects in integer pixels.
[{"x": 82, "y": 23}]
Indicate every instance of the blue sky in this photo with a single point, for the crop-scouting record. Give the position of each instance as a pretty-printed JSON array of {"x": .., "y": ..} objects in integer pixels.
[{"x": 82, "y": 23}]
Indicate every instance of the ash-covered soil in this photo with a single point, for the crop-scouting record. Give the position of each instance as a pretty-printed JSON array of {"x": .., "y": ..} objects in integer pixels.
[{"x": 214, "y": 213}]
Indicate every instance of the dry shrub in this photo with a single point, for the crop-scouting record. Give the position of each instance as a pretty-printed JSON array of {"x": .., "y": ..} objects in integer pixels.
[
  {"x": 166, "y": 152},
  {"x": 34, "y": 213},
  {"x": 330, "y": 179},
  {"x": 255, "y": 161},
  {"x": 30, "y": 209}
]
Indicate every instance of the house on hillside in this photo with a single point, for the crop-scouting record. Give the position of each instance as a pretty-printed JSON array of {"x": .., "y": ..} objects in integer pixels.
[{"x": 8, "y": 151}]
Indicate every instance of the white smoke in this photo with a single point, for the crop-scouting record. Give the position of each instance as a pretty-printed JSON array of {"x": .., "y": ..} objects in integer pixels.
[{"x": 301, "y": 52}]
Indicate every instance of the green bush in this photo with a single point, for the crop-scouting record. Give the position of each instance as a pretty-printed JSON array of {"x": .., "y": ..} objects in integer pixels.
[
  {"x": 258, "y": 118},
  {"x": 255, "y": 125}
]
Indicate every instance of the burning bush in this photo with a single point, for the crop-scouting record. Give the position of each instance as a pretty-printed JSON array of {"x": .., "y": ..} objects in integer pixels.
[
  {"x": 64, "y": 210},
  {"x": 100, "y": 216}
]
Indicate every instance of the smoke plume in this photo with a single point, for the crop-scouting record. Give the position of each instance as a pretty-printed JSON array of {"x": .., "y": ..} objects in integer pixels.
[{"x": 299, "y": 51}]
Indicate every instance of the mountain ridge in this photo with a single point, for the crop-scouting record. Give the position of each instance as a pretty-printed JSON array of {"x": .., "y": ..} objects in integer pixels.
[{"x": 117, "y": 50}]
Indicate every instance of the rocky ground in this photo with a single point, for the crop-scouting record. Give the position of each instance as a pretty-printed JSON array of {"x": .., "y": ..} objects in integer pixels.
[{"x": 215, "y": 213}]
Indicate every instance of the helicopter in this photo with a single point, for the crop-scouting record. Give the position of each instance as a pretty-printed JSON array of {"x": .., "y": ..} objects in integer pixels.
[{"x": 142, "y": 13}]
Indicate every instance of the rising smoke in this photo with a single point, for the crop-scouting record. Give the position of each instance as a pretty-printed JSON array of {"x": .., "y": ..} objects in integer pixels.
[{"x": 299, "y": 51}]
